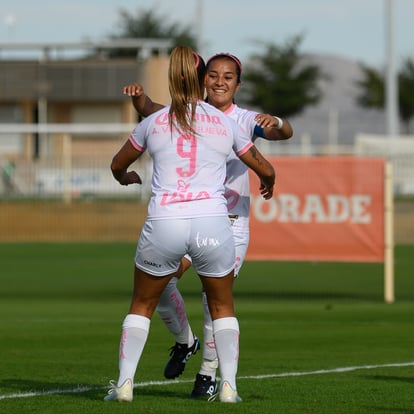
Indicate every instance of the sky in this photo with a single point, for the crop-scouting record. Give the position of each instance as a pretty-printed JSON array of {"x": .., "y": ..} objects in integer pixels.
[{"x": 354, "y": 29}]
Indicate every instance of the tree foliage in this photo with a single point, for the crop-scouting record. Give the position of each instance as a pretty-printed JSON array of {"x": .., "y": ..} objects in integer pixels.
[
  {"x": 146, "y": 24},
  {"x": 372, "y": 90},
  {"x": 406, "y": 92},
  {"x": 280, "y": 82}
]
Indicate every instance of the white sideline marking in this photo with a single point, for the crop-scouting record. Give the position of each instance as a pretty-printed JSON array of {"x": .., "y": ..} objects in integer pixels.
[{"x": 81, "y": 389}]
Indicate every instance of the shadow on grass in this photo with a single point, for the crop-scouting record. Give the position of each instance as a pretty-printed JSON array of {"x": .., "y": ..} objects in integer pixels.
[
  {"x": 308, "y": 296},
  {"x": 391, "y": 378},
  {"x": 388, "y": 378},
  {"x": 389, "y": 410}
]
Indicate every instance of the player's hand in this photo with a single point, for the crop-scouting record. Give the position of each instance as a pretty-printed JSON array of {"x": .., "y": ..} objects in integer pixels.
[
  {"x": 130, "y": 177},
  {"x": 266, "y": 191},
  {"x": 266, "y": 120},
  {"x": 133, "y": 89}
]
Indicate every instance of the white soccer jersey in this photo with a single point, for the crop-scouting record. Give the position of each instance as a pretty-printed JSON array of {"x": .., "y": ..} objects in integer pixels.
[
  {"x": 237, "y": 188},
  {"x": 189, "y": 171}
]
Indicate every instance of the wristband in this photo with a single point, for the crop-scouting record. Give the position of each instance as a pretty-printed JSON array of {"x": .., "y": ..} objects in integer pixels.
[
  {"x": 259, "y": 131},
  {"x": 279, "y": 122}
]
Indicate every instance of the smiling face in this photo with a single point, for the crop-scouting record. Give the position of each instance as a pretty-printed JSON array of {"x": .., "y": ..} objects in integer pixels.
[{"x": 221, "y": 83}]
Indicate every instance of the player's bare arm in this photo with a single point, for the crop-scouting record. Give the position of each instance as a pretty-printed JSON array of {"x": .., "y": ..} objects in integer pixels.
[
  {"x": 264, "y": 170},
  {"x": 120, "y": 163},
  {"x": 141, "y": 102}
]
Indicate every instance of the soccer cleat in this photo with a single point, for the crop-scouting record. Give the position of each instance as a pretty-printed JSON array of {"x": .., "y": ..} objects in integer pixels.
[
  {"x": 204, "y": 388},
  {"x": 123, "y": 393},
  {"x": 227, "y": 394},
  {"x": 180, "y": 354}
]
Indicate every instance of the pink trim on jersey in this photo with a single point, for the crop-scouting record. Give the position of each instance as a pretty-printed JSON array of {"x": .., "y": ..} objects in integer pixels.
[
  {"x": 135, "y": 145},
  {"x": 229, "y": 109},
  {"x": 245, "y": 149}
]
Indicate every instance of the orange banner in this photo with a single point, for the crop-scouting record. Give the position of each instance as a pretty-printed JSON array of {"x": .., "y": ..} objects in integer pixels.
[{"x": 324, "y": 208}]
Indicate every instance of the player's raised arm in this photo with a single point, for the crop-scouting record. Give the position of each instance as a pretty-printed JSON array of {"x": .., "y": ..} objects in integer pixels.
[{"x": 142, "y": 103}]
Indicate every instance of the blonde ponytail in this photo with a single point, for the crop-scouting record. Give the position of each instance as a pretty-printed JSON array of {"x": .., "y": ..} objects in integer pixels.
[{"x": 186, "y": 83}]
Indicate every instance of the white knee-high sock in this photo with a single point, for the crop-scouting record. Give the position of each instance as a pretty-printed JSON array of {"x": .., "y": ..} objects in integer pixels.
[
  {"x": 171, "y": 308},
  {"x": 135, "y": 330},
  {"x": 209, "y": 364},
  {"x": 226, "y": 334}
]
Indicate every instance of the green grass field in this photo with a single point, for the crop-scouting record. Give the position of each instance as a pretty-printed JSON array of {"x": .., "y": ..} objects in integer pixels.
[{"x": 315, "y": 337}]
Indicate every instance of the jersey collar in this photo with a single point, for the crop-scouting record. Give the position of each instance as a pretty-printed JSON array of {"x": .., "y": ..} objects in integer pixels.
[{"x": 229, "y": 110}]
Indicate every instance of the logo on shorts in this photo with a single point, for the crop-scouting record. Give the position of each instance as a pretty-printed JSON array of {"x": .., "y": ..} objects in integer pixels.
[
  {"x": 203, "y": 241},
  {"x": 157, "y": 265}
]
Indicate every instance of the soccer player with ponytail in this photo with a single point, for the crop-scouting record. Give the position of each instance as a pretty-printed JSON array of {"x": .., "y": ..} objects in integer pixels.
[
  {"x": 223, "y": 81},
  {"x": 189, "y": 142}
]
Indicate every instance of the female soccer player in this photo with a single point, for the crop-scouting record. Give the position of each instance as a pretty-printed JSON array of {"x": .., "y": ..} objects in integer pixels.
[
  {"x": 223, "y": 81},
  {"x": 189, "y": 142}
]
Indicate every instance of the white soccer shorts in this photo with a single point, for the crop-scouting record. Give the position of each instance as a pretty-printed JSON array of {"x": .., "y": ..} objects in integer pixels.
[{"x": 208, "y": 240}]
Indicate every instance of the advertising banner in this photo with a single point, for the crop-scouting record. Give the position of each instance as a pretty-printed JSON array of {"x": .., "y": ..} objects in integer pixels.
[{"x": 323, "y": 209}]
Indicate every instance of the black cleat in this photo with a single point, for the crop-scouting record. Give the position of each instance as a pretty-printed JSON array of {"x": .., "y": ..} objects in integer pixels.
[
  {"x": 180, "y": 354},
  {"x": 204, "y": 388}
]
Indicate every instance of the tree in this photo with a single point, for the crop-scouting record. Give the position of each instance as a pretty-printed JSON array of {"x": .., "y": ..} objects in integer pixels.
[
  {"x": 280, "y": 82},
  {"x": 406, "y": 93},
  {"x": 372, "y": 90},
  {"x": 146, "y": 24}
]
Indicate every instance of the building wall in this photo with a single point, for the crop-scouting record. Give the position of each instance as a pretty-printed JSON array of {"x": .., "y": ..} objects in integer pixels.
[
  {"x": 156, "y": 79},
  {"x": 73, "y": 92}
]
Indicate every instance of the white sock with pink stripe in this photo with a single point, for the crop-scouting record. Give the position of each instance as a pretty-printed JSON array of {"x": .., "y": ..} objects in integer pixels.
[{"x": 135, "y": 330}]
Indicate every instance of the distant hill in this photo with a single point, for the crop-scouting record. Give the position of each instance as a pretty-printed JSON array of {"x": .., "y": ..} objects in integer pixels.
[{"x": 337, "y": 115}]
